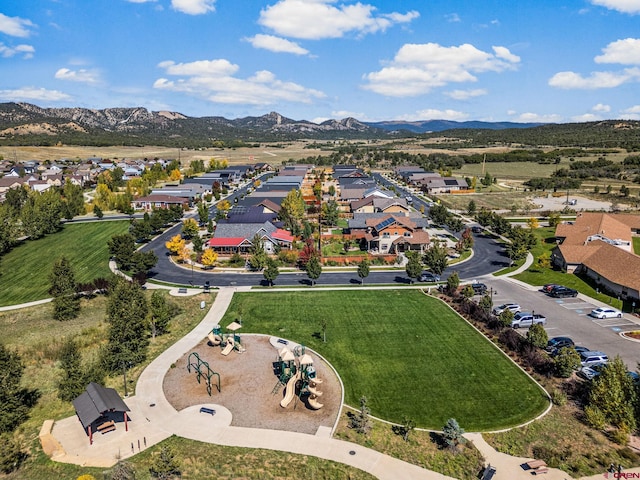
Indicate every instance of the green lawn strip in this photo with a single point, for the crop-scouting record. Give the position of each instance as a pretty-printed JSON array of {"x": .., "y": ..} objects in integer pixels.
[
  {"x": 409, "y": 354},
  {"x": 423, "y": 448},
  {"x": 563, "y": 441},
  {"x": 636, "y": 245},
  {"x": 25, "y": 269}
]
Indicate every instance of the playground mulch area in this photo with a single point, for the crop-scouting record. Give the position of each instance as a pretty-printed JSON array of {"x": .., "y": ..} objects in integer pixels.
[{"x": 247, "y": 381}]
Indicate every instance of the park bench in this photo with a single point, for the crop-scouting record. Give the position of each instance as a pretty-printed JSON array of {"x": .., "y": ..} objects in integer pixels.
[
  {"x": 540, "y": 470},
  {"x": 107, "y": 427},
  {"x": 210, "y": 411},
  {"x": 488, "y": 472},
  {"x": 182, "y": 290}
]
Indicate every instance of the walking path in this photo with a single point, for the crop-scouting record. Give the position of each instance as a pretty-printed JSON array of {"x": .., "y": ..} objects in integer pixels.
[{"x": 154, "y": 420}]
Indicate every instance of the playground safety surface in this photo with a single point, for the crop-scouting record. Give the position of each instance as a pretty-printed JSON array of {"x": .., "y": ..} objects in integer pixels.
[{"x": 247, "y": 382}]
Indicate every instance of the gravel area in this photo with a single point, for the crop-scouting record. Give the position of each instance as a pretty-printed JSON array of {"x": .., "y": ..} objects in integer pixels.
[{"x": 247, "y": 381}]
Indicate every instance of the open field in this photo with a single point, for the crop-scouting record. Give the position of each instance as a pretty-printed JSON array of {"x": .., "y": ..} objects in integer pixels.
[
  {"x": 25, "y": 269},
  {"x": 408, "y": 353},
  {"x": 274, "y": 153}
]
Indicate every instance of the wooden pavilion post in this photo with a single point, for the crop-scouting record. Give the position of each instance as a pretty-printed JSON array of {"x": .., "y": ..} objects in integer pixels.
[
  {"x": 90, "y": 435},
  {"x": 126, "y": 426}
]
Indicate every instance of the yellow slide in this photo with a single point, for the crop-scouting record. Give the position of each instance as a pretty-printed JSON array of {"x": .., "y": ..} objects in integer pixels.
[
  {"x": 291, "y": 390},
  {"x": 214, "y": 339},
  {"x": 229, "y": 347},
  {"x": 314, "y": 403}
]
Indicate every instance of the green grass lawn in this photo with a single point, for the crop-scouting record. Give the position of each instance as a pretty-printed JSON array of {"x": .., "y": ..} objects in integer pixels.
[
  {"x": 25, "y": 269},
  {"x": 408, "y": 353},
  {"x": 636, "y": 245}
]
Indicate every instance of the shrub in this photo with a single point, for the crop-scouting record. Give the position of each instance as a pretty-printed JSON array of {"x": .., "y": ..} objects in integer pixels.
[
  {"x": 594, "y": 417},
  {"x": 558, "y": 397}
]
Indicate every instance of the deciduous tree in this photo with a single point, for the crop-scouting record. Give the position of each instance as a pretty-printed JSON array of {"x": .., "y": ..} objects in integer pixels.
[
  {"x": 190, "y": 228},
  {"x": 436, "y": 258},
  {"x": 175, "y": 244},
  {"x": 363, "y": 269},
  {"x": 271, "y": 271},
  {"x": 314, "y": 269},
  {"x": 414, "y": 265},
  {"x": 537, "y": 336},
  {"x": 209, "y": 257}
]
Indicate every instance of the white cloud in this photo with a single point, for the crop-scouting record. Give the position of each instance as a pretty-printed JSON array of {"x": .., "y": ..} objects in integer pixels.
[
  {"x": 7, "y": 52},
  {"x": 587, "y": 117},
  {"x": 453, "y": 17},
  {"x": 572, "y": 80},
  {"x": 194, "y": 7},
  {"x": 466, "y": 94},
  {"x": 317, "y": 19},
  {"x": 80, "y": 76},
  {"x": 276, "y": 44},
  {"x": 600, "y": 107},
  {"x": 30, "y": 94},
  {"x": 434, "y": 114},
  {"x": 624, "y": 6},
  {"x": 419, "y": 68},
  {"x": 529, "y": 117},
  {"x": 15, "y": 26},
  {"x": 625, "y": 52},
  {"x": 213, "y": 80},
  {"x": 141, "y": 1},
  {"x": 631, "y": 113},
  {"x": 634, "y": 109}
]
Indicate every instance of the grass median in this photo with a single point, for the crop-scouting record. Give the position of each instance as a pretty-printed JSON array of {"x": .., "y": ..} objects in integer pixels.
[{"x": 408, "y": 353}]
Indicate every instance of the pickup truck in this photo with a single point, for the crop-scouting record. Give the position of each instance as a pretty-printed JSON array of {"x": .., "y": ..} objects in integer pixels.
[{"x": 526, "y": 319}]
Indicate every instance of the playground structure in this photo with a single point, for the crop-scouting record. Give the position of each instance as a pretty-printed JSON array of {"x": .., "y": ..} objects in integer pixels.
[
  {"x": 228, "y": 342},
  {"x": 296, "y": 371},
  {"x": 197, "y": 364}
]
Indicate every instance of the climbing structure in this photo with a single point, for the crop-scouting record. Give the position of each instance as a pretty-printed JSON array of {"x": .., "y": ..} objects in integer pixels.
[{"x": 203, "y": 370}]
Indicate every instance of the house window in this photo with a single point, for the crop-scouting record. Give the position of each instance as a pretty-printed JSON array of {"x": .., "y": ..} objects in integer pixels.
[
  {"x": 385, "y": 246},
  {"x": 385, "y": 235},
  {"x": 407, "y": 234}
]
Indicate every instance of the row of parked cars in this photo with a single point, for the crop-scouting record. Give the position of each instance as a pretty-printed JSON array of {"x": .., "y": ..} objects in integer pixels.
[
  {"x": 591, "y": 361},
  {"x": 559, "y": 291}
]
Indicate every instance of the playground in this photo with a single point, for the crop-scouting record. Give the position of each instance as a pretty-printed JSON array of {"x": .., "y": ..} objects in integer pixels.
[{"x": 249, "y": 387}]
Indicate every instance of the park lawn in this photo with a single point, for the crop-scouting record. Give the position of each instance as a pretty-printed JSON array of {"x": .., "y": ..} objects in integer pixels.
[
  {"x": 25, "y": 269},
  {"x": 407, "y": 352}
]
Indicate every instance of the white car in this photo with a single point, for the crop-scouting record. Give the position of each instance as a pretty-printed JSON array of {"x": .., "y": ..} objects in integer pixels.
[
  {"x": 606, "y": 312},
  {"x": 514, "y": 307}
]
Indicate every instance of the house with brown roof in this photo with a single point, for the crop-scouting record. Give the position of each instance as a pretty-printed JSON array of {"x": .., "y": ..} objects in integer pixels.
[
  {"x": 151, "y": 202},
  {"x": 600, "y": 246}
]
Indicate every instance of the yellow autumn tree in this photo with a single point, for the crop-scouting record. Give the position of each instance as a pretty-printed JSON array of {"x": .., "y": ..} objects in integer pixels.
[
  {"x": 184, "y": 254},
  {"x": 175, "y": 175},
  {"x": 175, "y": 245},
  {"x": 533, "y": 223},
  {"x": 224, "y": 205},
  {"x": 209, "y": 258}
]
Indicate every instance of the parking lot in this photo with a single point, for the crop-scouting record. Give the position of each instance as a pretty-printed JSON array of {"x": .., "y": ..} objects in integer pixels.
[{"x": 570, "y": 317}]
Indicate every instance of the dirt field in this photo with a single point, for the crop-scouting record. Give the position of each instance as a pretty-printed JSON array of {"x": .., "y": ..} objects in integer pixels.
[{"x": 247, "y": 382}]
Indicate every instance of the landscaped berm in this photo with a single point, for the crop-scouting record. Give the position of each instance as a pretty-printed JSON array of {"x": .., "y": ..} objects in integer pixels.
[
  {"x": 250, "y": 389},
  {"x": 407, "y": 352}
]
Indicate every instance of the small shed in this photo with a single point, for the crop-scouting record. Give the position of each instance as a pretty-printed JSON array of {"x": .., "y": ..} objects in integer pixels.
[{"x": 99, "y": 408}]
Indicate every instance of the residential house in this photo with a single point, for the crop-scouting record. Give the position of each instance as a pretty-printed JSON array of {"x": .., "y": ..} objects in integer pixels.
[
  {"x": 230, "y": 238},
  {"x": 600, "y": 246},
  {"x": 151, "y": 202},
  {"x": 390, "y": 233},
  {"x": 373, "y": 203}
]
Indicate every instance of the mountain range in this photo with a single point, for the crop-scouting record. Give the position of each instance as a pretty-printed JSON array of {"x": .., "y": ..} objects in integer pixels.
[{"x": 24, "y": 122}]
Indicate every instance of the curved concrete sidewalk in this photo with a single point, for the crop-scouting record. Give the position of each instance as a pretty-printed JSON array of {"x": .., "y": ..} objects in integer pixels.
[{"x": 190, "y": 423}]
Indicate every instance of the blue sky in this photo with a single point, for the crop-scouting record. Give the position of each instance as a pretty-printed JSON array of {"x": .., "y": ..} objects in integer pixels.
[{"x": 493, "y": 60}]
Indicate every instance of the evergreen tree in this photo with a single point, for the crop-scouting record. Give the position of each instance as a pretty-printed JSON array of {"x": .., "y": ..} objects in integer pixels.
[
  {"x": 537, "y": 336},
  {"x": 66, "y": 303},
  {"x": 203, "y": 213},
  {"x": 453, "y": 434},
  {"x": 122, "y": 248},
  {"x": 164, "y": 465},
  {"x": 123, "y": 471},
  {"x": 159, "y": 314},
  {"x": 73, "y": 380},
  {"x": 360, "y": 421},
  {"x": 97, "y": 211},
  {"x": 566, "y": 362},
  {"x": 13, "y": 406},
  {"x": 127, "y": 311},
  {"x": 453, "y": 282}
]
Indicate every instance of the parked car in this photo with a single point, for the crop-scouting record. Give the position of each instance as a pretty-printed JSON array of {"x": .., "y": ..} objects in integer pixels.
[
  {"x": 428, "y": 277},
  {"x": 605, "y": 312},
  {"x": 478, "y": 288},
  {"x": 556, "y": 343},
  {"x": 526, "y": 319},
  {"x": 514, "y": 307},
  {"x": 476, "y": 229},
  {"x": 560, "y": 291},
  {"x": 591, "y": 371},
  {"x": 590, "y": 357},
  {"x": 548, "y": 287}
]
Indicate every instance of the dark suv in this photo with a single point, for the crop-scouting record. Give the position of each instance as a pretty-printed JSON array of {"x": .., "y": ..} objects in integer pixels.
[
  {"x": 429, "y": 277},
  {"x": 563, "y": 292},
  {"x": 556, "y": 343},
  {"x": 479, "y": 288}
]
